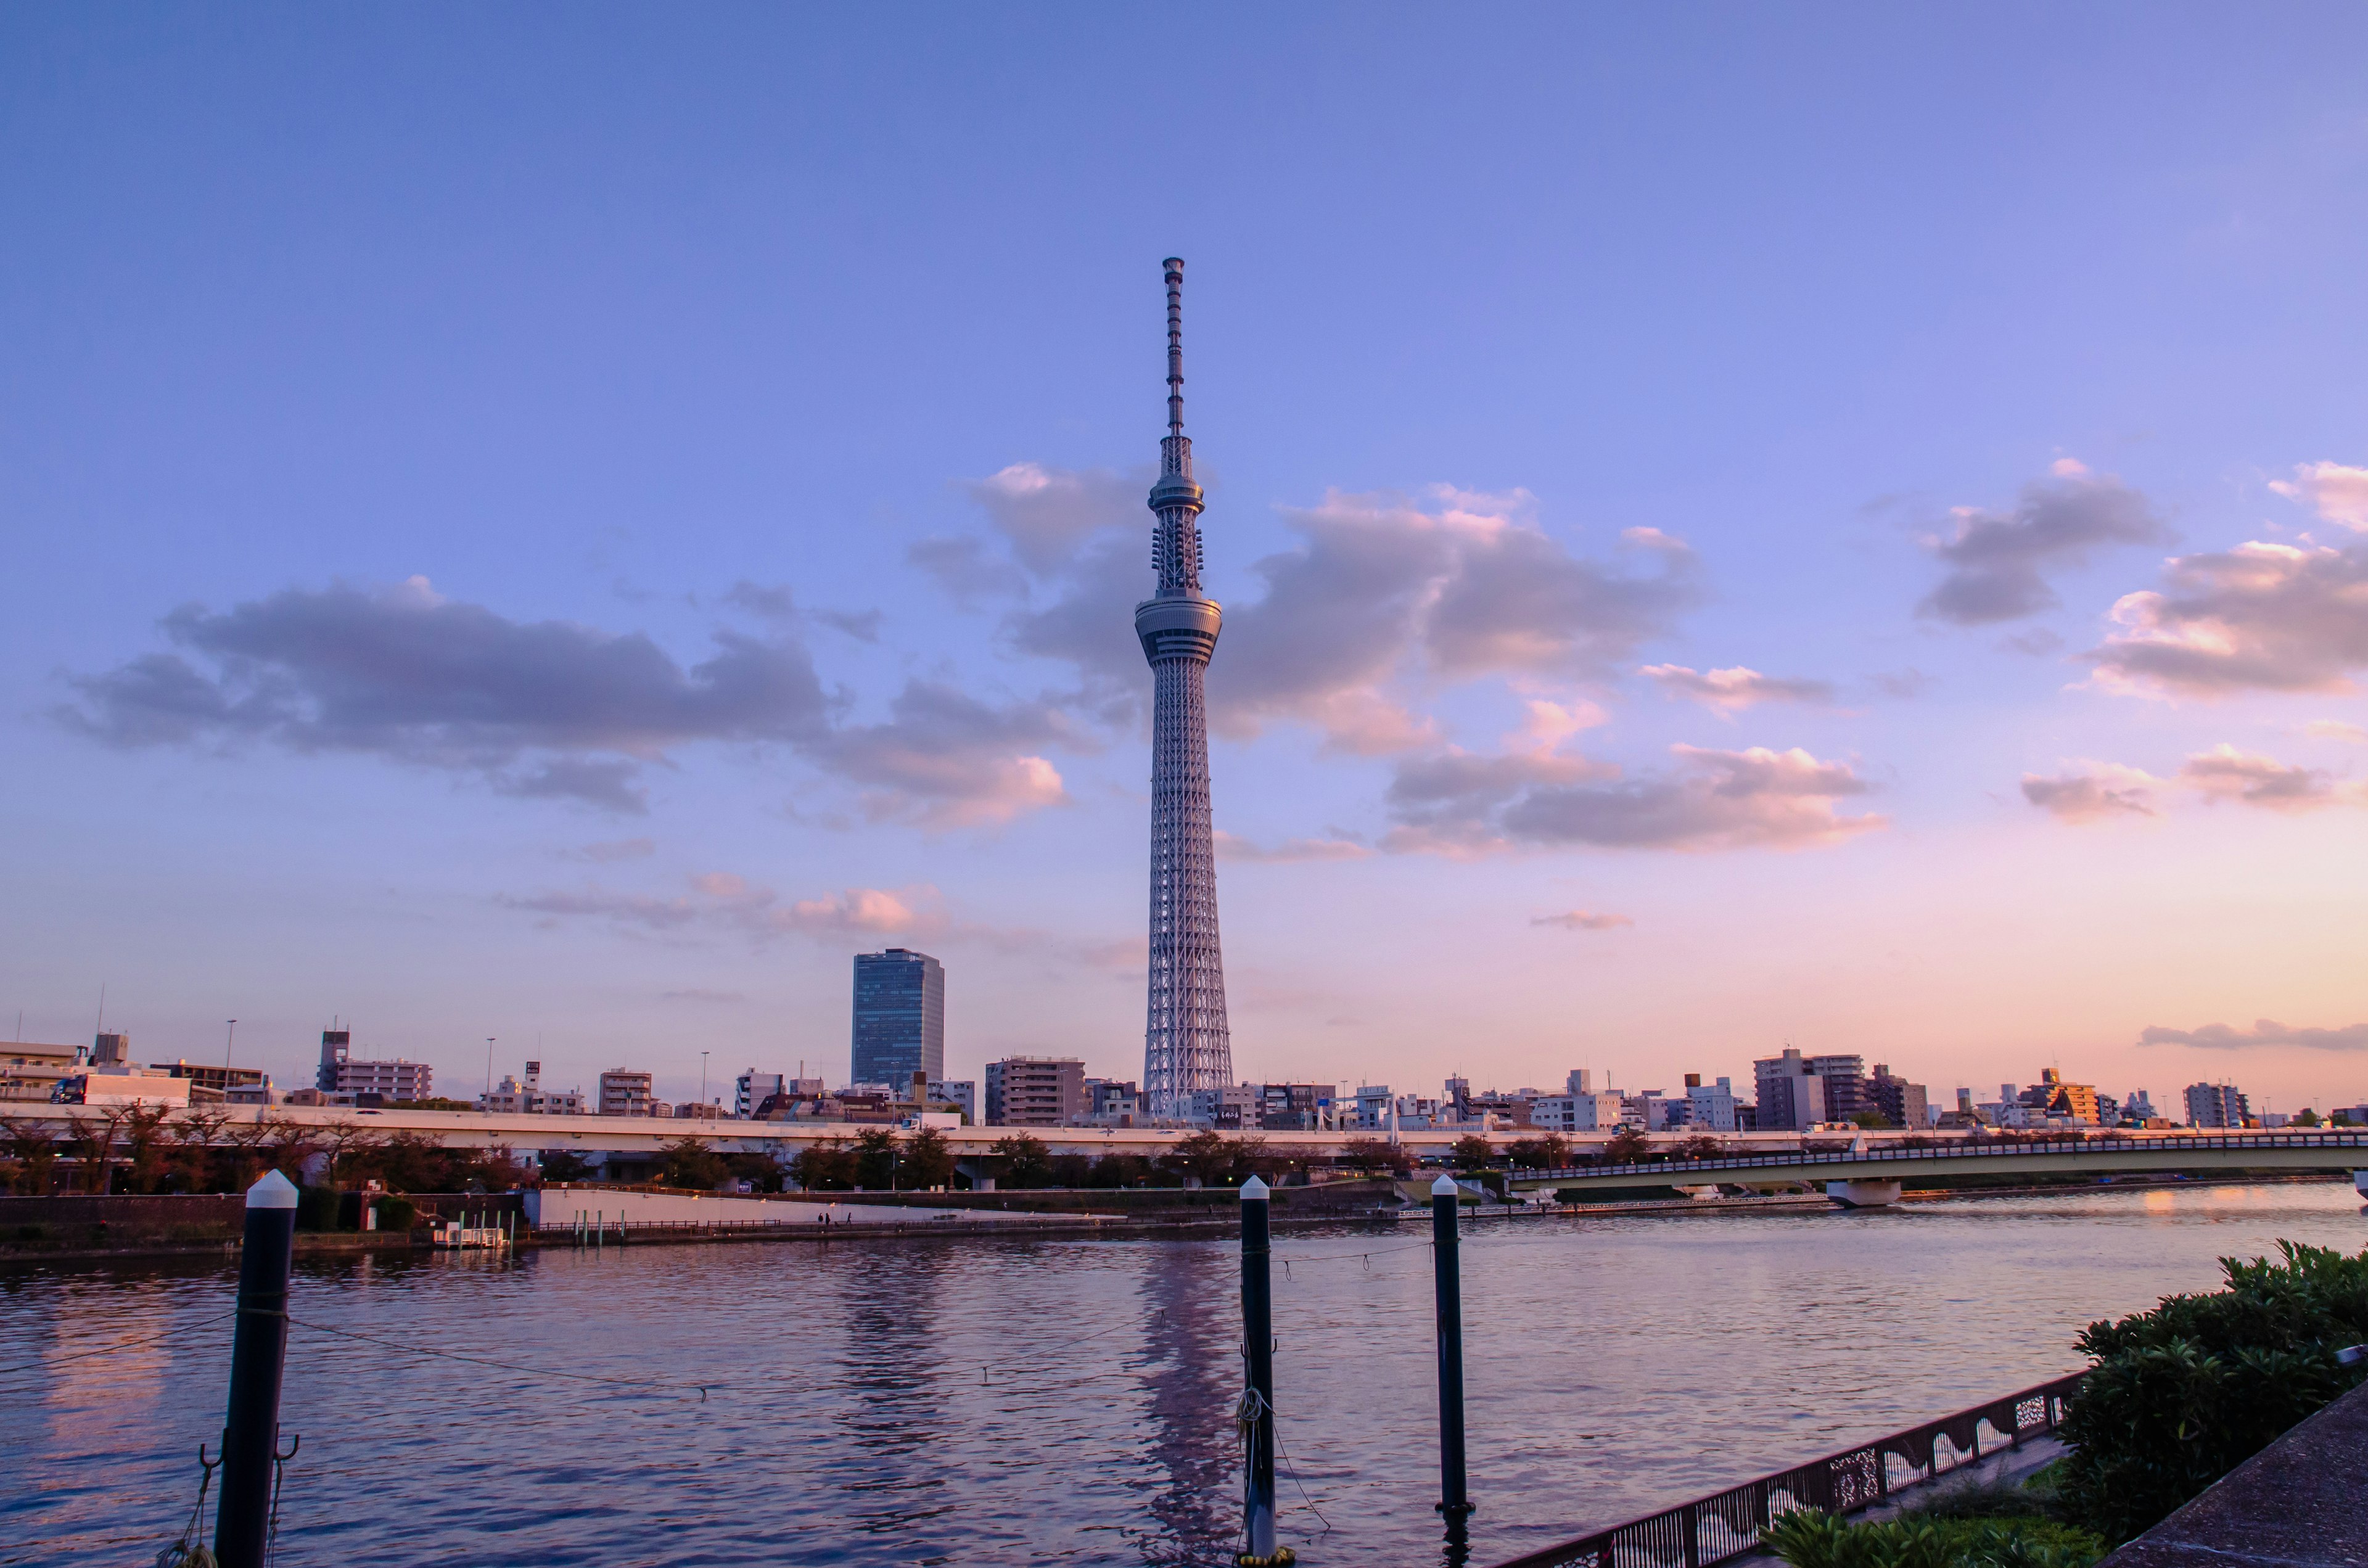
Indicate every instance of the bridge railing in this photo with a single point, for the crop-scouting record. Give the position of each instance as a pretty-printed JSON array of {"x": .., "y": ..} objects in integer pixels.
[
  {"x": 1726, "y": 1524},
  {"x": 1970, "y": 1149}
]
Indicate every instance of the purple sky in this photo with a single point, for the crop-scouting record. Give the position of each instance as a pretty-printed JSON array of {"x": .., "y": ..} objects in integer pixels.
[{"x": 1842, "y": 526}]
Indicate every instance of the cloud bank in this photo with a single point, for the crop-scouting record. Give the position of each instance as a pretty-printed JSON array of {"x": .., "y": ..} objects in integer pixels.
[
  {"x": 2265, "y": 1031},
  {"x": 551, "y": 709},
  {"x": 2102, "y": 791},
  {"x": 1381, "y": 595},
  {"x": 722, "y": 901},
  {"x": 1461, "y": 804},
  {"x": 1733, "y": 689}
]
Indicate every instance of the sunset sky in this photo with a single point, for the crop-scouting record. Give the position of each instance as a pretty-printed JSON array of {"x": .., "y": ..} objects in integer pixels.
[{"x": 1840, "y": 525}]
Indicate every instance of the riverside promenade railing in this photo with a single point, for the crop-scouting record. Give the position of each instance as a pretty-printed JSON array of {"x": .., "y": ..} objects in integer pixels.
[
  {"x": 1980, "y": 1149},
  {"x": 1726, "y": 1524}
]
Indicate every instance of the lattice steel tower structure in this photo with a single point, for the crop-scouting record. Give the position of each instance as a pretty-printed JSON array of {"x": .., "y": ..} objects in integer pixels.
[{"x": 1186, "y": 1044}]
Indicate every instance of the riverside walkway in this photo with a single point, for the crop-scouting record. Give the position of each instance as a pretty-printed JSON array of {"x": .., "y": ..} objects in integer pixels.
[{"x": 1869, "y": 1175}]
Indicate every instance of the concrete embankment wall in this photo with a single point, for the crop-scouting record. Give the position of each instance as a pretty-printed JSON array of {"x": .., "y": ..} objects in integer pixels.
[
  {"x": 573, "y": 1205},
  {"x": 155, "y": 1215},
  {"x": 1332, "y": 1196}
]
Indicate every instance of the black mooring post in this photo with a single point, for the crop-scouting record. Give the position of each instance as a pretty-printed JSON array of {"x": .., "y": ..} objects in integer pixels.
[
  {"x": 259, "y": 1353},
  {"x": 1444, "y": 1197},
  {"x": 1257, "y": 1352}
]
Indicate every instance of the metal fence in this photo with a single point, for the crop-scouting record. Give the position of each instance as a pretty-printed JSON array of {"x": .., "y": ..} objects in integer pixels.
[
  {"x": 1975, "y": 1149},
  {"x": 1727, "y": 1524}
]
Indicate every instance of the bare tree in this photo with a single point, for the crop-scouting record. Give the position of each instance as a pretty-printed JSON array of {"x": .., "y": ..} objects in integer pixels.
[
  {"x": 91, "y": 1138},
  {"x": 194, "y": 1136},
  {"x": 32, "y": 1155},
  {"x": 343, "y": 1139},
  {"x": 250, "y": 1143}
]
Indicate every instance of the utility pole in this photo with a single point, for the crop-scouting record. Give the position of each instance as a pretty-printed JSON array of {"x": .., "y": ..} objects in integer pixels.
[
  {"x": 489, "y": 1065},
  {"x": 228, "y": 1045}
]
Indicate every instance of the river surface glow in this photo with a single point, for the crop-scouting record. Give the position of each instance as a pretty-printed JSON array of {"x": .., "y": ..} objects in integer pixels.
[{"x": 991, "y": 1401}]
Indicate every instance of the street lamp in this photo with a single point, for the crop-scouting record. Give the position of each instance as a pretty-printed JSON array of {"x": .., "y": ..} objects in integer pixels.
[
  {"x": 703, "y": 1080},
  {"x": 489, "y": 1065},
  {"x": 227, "y": 1043}
]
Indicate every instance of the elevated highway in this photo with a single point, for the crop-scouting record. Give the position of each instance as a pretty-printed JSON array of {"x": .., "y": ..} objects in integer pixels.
[
  {"x": 1869, "y": 1175},
  {"x": 1757, "y": 1160}
]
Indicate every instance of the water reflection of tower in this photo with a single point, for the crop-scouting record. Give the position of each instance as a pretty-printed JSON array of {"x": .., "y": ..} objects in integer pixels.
[
  {"x": 1191, "y": 1360},
  {"x": 1187, "y": 1044},
  {"x": 893, "y": 1365}
]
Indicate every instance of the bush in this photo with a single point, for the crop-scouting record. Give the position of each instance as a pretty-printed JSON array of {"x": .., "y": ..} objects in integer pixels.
[
  {"x": 1807, "y": 1539},
  {"x": 396, "y": 1214},
  {"x": 316, "y": 1208},
  {"x": 2182, "y": 1394}
]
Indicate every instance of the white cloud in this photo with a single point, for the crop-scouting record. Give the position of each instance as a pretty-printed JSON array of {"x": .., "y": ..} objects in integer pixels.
[
  {"x": 2097, "y": 791},
  {"x": 1233, "y": 847},
  {"x": 723, "y": 901},
  {"x": 1584, "y": 920},
  {"x": 2335, "y": 492},
  {"x": 1460, "y": 805},
  {"x": 1735, "y": 689},
  {"x": 2261, "y": 616},
  {"x": 2223, "y": 773}
]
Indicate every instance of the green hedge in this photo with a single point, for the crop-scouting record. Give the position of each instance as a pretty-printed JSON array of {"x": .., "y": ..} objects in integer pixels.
[
  {"x": 1807, "y": 1539},
  {"x": 2182, "y": 1394}
]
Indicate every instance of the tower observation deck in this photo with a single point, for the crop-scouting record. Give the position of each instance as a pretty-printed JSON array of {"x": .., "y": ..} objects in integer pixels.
[{"x": 1186, "y": 1044}]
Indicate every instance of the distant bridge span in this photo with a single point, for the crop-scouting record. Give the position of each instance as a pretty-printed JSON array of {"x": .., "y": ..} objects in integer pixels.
[{"x": 1868, "y": 1176}]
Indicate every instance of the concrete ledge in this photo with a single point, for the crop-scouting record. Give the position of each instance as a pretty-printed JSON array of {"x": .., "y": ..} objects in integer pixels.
[{"x": 2303, "y": 1500}]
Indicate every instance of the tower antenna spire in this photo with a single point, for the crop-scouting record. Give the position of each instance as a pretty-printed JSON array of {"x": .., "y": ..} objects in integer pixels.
[{"x": 1175, "y": 451}]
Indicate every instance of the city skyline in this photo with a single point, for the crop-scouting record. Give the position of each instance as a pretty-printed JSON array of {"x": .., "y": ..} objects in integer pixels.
[{"x": 1716, "y": 553}]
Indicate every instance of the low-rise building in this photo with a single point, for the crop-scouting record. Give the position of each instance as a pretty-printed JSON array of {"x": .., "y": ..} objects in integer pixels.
[
  {"x": 625, "y": 1092},
  {"x": 123, "y": 1085},
  {"x": 212, "y": 1085},
  {"x": 341, "y": 1073},
  {"x": 753, "y": 1088},
  {"x": 1901, "y": 1103},
  {"x": 28, "y": 1071},
  {"x": 1844, "y": 1078},
  {"x": 1113, "y": 1102},
  {"x": 1790, "y": 1095},
  {"x": 2053, "y": 1100},
  {"x": 2216, "y": 1106},
  {"x": 527, "y": 1096},
  {"x": 1710, "y": 1107},
  {"x": 1035, "y": 1091},
  {"x": 1292, "y": 1108}
]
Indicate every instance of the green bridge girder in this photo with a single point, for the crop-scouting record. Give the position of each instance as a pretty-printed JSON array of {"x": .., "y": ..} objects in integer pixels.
[{"x": 2329, "y": 1151}]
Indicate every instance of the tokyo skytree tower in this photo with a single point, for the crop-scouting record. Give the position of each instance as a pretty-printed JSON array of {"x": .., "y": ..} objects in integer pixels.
[{"x": 1186, "y": 1044}]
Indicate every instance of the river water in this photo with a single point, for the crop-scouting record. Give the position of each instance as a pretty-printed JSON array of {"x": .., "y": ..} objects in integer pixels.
[{"x": 991, "y": 1401}]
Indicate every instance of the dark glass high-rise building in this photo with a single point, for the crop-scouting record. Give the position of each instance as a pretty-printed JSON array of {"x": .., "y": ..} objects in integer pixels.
[{"x": 900, "y": 1017}]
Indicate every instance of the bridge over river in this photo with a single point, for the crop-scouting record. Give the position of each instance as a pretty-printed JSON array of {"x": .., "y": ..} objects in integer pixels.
[{"x": 1868, "y": 1174}]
